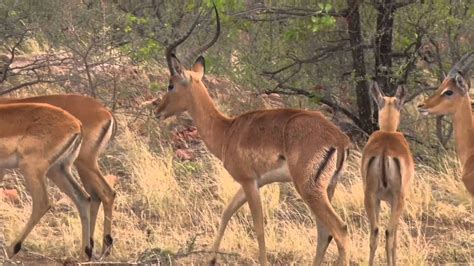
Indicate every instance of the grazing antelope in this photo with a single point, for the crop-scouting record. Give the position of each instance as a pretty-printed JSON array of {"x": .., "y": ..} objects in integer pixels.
[
  {"x": 41, "y": 140},
  {"x": 98, "y": 127},
  {"x": 452, "y": 98},
  {"x": 387, "y": 168},
  {"x": 289, "y": 144},
  {"x": 265, "y": 146}
]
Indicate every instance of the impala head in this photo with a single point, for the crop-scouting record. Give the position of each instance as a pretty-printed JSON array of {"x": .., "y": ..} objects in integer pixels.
[
  {"x": 389, "y": 107},
  {"x": 181, "y": 83},
  {"x": 453, "y": 90}
]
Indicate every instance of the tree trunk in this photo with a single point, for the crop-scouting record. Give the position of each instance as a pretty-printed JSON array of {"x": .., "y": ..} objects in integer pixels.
[
  {"x": 383, "y": 46},
  {"x": 358, "y": 62}
]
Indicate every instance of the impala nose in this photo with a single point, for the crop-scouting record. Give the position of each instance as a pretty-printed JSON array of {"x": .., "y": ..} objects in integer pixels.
[{"x": 422, "y": 110}]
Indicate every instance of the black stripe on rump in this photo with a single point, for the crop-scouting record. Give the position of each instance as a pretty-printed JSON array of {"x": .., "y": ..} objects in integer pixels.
[
  {"x": 65, "y": 147},
  {"x": 326, "y": 157},
  {"x": 104, "y": 131},
  {"x": 384, "y": 174}
]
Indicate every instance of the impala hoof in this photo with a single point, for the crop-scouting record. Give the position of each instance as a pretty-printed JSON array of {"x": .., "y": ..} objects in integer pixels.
[
  {"x": 213, "y": 262},
  {"x": 88, "y": 251}
]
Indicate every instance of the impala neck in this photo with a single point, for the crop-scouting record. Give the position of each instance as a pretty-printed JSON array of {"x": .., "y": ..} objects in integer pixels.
[
  {"x": 463, "y": 131},
  {"x": 210, "y": 122}
]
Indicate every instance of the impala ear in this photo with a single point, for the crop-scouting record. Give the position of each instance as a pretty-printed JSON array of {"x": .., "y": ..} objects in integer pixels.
[
  {"x": 401, "y": 96},
  {"x": 461, "y": 83},
  {"x": 377, "y": 94},
  {"x": 178, "y": 68},
  {"x": 200, "y": 66}
]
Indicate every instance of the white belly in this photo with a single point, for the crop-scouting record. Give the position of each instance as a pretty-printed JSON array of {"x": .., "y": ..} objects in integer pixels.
[{"x": 281, "y": 174}]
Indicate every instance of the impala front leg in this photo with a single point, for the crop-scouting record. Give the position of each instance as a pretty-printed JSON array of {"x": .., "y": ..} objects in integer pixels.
[
  {"x": 237, "y": 201},
  {"x": 250, "y": 188}
]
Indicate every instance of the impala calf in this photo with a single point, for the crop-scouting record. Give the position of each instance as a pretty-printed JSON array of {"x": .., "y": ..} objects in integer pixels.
[
  {"x": 98, "y": 127},
  {"x": 387, "y": 168},
  {"x": 452, "y": 98},
  {"x": 43, "y": 140}
]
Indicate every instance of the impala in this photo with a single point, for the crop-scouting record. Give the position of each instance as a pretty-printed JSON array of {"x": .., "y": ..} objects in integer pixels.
[
  {"x": 266, "y": 146},
  {"x": 452, "y": 98},
  {"x": 43, "y": 140},
  {"x": 99, "y": 127},
  {"x": 387, "y": 168}
]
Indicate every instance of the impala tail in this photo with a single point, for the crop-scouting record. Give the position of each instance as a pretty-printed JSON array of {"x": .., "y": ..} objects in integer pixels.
[
  {"x": 387, "y": 169},
  {"x": 341, "y": 156}
]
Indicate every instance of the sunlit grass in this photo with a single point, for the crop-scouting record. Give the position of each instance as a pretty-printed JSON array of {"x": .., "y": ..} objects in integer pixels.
[{"x": 159, "y": 215}]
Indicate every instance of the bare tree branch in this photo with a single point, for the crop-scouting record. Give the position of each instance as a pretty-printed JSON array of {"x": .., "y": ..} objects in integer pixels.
[{"x": 276, "y": 14}]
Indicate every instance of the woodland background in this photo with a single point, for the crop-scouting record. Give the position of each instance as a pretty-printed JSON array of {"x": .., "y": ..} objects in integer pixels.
[{"x": 296, "y": 53}]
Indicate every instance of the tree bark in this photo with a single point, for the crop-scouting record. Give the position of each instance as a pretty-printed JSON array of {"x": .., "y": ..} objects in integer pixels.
[
  {"x": 358, "y": 62},
  {"x": 383, "y": 46}
]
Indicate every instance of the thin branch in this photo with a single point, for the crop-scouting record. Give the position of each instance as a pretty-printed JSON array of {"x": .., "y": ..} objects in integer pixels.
[
  {"x": 276, "y": 14},
  {"x": 27, "y": 84},
  {"x": 12, "y": 55},
  {"x": 288, "y": 90},
  {"x": 323, "y": 54}
]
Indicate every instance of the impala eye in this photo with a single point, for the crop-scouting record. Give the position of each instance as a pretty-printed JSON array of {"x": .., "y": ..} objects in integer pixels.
[
  {"x": 448, "y": 93},
  {"x": 170, "y": 87}
]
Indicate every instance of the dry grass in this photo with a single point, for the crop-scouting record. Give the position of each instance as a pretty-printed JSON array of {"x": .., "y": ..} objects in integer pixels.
[{"x": 169, "y": 210}]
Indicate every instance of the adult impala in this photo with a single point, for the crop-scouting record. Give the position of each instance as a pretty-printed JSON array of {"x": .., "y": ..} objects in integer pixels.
[
  {"x": 452, "y": 98},
  {"x": 290, "y": 144},
  {"x": 387, "y": 168},
  {"x": 43, "y": 140},
  {"x": 99, "y": 127}
]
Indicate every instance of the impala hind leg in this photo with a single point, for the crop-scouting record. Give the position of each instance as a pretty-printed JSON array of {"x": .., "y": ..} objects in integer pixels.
[
  {"x": 101, "y": 192},
  {"x": 328, "y": 218},
  {"x": 250, "y": 188},
  {"x": 324, "y": 237},
  {"x": 35, "y": 184},
  {"x": 61, "y": 175},
  {"x": 391, "y": 233},
  {"x": 372, "y": 207}
]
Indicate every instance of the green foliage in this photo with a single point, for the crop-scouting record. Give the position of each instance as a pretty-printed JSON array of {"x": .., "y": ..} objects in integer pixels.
[
  {"x": 316, "y": 98},
  {"x": 322, "y": 20},
  {"x": 322, "y": 23},
  {"x": 150, "y": 49},
  {"x": 156, "y": 87}
]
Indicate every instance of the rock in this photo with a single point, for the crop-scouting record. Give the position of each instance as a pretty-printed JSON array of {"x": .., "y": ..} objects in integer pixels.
[
  {"x": 184, "y": 154},
  {"x": 10, "y": 195}
]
